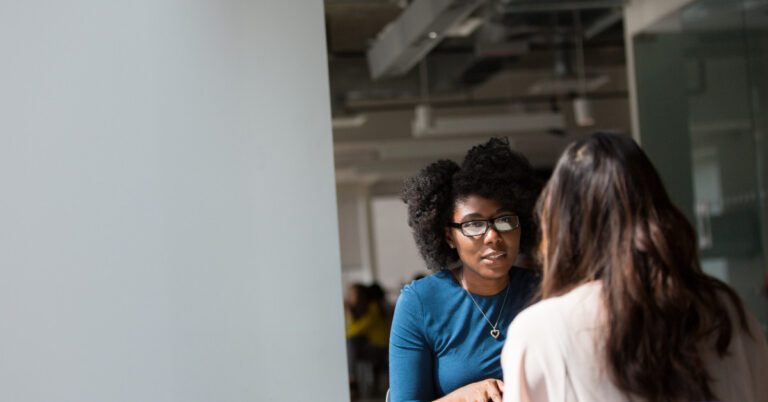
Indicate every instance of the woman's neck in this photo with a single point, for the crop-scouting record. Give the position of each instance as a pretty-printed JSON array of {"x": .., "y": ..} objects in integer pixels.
[{"x": 478, "y": 285}]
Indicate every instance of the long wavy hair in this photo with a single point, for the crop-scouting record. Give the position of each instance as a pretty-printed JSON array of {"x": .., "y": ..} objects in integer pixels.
[{"x": 605, "y": 216}]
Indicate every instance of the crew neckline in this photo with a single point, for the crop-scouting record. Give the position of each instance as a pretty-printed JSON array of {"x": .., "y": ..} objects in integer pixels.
[{"x": 457, "y": 284}]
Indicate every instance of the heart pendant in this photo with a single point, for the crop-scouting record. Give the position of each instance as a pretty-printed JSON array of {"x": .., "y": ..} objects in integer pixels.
[{"x": 495, "y": 333}]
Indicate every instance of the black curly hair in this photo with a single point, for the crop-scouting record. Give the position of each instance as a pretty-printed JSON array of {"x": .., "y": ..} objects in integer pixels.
[{"x": 491, "y": 170}]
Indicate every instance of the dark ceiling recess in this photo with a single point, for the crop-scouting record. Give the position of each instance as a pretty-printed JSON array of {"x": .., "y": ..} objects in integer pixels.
[
  {"x": 504, "y": 68},
  {"x": 479, "y": 70},
  {"x": 351, "y": 26},
  {"x": 513, "y": 35}
]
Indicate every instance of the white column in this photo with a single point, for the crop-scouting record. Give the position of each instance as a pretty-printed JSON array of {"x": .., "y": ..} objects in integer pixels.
[{"x": 167, "y": 218}]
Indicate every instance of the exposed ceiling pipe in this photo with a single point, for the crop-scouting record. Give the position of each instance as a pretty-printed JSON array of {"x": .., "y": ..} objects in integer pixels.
[
  {"x": 421, "y": 26},
  {"x": 536, "y": 6},
  {"x": 603, "y": 23},
  {"x": 447, "y": 102}
]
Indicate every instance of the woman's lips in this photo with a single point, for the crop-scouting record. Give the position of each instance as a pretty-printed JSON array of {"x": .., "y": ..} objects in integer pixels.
[{"x": 496, "y": 255}]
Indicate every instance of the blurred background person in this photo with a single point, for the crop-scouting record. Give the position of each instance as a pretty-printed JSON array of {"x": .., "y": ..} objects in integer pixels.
[{"x": 367, "y": 329}]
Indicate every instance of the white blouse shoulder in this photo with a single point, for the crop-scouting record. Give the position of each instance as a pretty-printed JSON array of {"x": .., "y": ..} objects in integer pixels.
[{"x": 553, "y": 354}]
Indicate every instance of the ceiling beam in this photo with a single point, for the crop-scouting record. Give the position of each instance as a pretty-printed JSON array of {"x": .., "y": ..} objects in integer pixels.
[{"x": 537, "y": 6}]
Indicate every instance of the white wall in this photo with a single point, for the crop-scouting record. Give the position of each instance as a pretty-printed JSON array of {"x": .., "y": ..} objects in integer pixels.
[
  {"x": 353, "y": 208},
  {"x": 376, "y": 242},
  {"x": 159, "y": 162},
  {"x": 397, "y": 258}
]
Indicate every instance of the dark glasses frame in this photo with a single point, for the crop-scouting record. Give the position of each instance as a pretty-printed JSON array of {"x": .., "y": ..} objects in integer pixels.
[{"x": 515, "y": 222}]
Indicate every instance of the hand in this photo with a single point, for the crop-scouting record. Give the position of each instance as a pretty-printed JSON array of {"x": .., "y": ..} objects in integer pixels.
[{"x": 481, "y": 391}]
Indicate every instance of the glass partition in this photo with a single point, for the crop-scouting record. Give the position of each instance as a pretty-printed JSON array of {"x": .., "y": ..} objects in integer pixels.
[{"x": 703, "y": 110}]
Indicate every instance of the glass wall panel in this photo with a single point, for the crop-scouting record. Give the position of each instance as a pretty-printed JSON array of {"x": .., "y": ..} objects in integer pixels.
[{"x": 702, "y": 111}]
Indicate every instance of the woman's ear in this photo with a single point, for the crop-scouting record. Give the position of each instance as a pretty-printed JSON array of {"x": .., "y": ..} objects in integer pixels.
[{"x": 449, "y": 238}]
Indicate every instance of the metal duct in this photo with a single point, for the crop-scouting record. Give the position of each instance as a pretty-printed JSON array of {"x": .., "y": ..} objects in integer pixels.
[
  {"x": 405, "y": 41},
  {"x": 537, "y": 6}
]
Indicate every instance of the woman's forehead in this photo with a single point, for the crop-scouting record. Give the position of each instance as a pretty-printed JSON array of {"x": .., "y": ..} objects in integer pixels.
[{"x": 478, "y": 205}]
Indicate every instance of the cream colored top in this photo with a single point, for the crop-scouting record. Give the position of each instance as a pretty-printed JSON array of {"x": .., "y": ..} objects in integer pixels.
[{"x": 552, "y": 355}]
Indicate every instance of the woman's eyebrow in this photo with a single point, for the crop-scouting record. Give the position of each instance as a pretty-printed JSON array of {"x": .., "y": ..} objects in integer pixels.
[{"x": 475, "y": 215}]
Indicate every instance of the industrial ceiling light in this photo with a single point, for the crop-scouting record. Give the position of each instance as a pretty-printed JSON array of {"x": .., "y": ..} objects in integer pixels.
[
  {"x": 582, "y": 109},
  {"x": 347, "y": 122},
  {"x": 582, "y": 112},
  {"x": 563, "y": 86},
  {"x": 422, "y": 118},
  {"x": 425, "y": 125}
]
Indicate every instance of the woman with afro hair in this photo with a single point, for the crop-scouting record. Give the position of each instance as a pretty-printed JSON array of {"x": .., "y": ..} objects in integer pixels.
[{"x": 470, "y": 223}]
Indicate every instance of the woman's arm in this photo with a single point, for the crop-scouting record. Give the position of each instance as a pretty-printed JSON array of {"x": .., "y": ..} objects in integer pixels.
[
  {"x": 411, "y": 372},
  {"x": 481, "y": 391}
]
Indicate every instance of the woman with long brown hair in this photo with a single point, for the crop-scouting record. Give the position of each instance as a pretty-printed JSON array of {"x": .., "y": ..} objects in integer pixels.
[{"x": 626, "y": 313}]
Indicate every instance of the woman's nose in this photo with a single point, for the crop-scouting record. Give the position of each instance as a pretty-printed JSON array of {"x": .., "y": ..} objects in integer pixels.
[{"x": 491, "y": 236}]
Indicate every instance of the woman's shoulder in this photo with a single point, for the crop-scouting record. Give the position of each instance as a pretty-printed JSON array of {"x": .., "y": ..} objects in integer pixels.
[
  {"x": 428, "y": 287},
  {"x": 561, "y": 313},
  {"x": 420, "y": 298},
  {"x": 430, "y": 282}
]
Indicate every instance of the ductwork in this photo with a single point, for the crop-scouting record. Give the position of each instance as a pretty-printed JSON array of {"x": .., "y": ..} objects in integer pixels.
[
  {"x": 537, "y": 6},
  {"x": 405, "y": 41}
]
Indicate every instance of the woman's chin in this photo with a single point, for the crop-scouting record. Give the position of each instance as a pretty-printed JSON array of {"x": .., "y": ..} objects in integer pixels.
[{"x": 495, "y": 269}]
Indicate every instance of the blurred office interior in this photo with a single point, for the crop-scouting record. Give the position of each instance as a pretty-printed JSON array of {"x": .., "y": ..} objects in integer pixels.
[
  {"x": 190, "y": 188},
  {"x": 416, "y": 81}
]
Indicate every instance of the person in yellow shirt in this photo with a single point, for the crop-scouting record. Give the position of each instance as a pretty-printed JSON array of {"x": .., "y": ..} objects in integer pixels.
[{"x": 367, "y": 330}]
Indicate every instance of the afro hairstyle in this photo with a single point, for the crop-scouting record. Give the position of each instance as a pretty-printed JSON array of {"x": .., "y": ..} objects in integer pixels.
[{"x": 491, "y": 170}]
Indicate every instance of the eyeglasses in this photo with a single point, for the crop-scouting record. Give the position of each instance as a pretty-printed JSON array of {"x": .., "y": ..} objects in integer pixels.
[{"x": 502, "y": 224}]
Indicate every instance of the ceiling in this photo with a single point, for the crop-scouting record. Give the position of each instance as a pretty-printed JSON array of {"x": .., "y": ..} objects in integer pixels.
[{"x": 517, "y": 62}]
